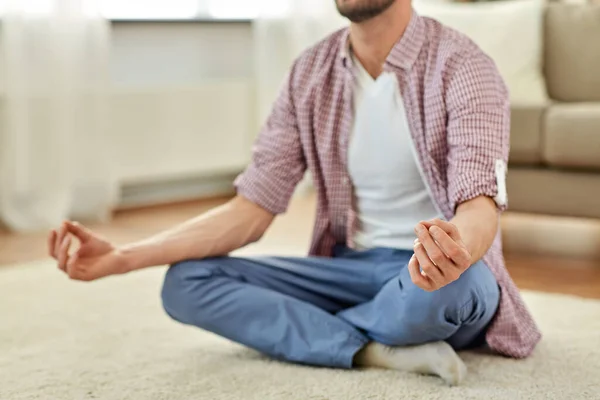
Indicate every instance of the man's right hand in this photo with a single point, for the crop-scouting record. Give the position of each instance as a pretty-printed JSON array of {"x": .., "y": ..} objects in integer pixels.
[
  {"x": 94, "y": 259},
  {"x": 222, "y": 230}
]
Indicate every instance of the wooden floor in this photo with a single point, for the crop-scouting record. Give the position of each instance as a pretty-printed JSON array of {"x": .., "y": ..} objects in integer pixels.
[{"x": 291, "y": 233}]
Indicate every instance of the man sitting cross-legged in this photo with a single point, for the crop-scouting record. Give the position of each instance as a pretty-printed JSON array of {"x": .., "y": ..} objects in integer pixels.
[{"x": 404, "y": 125}]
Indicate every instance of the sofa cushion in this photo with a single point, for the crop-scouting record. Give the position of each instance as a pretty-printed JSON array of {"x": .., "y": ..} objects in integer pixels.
[
  {"x": 572, "y": 52},
  {"x": 510, "y": 32},
  {"x": 572, "y": 135},
  {"x": 554, "y": 192},
  {"x": 525, "y": 135}
]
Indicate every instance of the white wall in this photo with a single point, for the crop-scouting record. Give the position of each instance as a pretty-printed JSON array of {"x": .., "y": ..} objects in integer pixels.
[
  {"x": 183, "y": 101},
  {"x": 175, "y": 53},
  {"x": 182, "y": 107}
]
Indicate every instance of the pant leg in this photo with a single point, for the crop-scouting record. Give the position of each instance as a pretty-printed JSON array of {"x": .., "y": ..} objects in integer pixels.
[
  {"x": 279, "y": 306},
  {"x": 402, "y": 314}
]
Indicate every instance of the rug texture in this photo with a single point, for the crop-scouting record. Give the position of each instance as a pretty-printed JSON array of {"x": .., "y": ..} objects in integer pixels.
[{"x": 111, "y": 340}]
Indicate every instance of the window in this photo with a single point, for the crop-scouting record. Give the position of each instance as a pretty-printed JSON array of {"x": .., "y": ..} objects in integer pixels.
[
  {"x": 157, "y": 9},
  {"x": 179, "y": 9}
]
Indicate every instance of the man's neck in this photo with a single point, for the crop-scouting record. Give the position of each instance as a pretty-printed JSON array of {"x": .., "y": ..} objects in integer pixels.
[{"x": 372, "y": 40}]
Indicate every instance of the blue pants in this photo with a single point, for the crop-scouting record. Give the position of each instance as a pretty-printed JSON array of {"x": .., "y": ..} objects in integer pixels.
[{"x": 321, "y": 311}]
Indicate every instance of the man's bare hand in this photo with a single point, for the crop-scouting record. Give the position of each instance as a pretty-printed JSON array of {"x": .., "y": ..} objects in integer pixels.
[
  {"x": 94, "y": 259},
  {"x": 440, "y": 255}
]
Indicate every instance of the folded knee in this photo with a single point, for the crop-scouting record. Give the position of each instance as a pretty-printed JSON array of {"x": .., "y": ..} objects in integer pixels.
[
  {"x": 411, "y": 315},
  {"x": 468, "y": 295},
  {"x": 181, "y": 285},
  {"x": 476, "y": 282}
]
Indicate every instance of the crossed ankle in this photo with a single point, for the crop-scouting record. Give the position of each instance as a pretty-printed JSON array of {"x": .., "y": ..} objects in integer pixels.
[{"x": 437, "y": 358}]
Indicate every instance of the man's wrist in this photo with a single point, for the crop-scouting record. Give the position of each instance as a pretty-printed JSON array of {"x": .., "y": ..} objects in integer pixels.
[
  {"x": 474, "y": 240},
  {"x": 129, "y": 259},
  {"x": 144, "y": 254}
]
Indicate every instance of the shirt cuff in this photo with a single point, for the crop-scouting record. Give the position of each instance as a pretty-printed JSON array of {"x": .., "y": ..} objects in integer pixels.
[{"x": 264, "y": 190}]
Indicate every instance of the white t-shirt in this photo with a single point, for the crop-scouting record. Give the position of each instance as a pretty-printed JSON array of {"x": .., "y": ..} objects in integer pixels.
[{"x": 391, "y": 194}]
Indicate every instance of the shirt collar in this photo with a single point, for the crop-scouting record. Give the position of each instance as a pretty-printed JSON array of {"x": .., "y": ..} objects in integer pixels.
[{"x": 405, "y": 51}]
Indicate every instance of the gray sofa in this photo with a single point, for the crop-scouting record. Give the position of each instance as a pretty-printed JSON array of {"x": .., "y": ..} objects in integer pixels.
[{"x": 554, "y": 165}]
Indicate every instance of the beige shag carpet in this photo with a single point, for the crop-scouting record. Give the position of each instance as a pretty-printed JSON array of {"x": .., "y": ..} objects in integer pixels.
[{"x": 111, "y": 340}]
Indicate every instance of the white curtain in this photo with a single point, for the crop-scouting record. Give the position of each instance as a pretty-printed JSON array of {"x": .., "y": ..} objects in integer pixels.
[
  {"x": 283, "y": 29},
  {"x": 54, "y": 163}
]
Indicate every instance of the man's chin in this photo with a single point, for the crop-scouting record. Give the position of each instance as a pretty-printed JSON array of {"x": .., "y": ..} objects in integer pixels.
[{"x": 358, "y": 11}]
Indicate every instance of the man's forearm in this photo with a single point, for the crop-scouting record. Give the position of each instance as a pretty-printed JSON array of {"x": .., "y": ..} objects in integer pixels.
[
  {"x": 218, "y": 232},
  {"x": 477, "y": 223}
]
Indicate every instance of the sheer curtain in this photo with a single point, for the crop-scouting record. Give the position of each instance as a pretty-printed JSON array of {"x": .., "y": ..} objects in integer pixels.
[
  {"x": 282, "y": 30},
  {"x": 54, "y": 163}
]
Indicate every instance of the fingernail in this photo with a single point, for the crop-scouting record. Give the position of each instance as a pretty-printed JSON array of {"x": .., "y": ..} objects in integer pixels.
[{"x": 420, "y": 228}]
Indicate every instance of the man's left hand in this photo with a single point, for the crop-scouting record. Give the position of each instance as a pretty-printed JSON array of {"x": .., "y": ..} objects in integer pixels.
[{"x": 440, "y": 255}]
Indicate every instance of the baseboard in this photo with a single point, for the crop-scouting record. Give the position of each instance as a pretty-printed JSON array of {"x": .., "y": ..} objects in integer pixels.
[{"x": 134, "y": 195}]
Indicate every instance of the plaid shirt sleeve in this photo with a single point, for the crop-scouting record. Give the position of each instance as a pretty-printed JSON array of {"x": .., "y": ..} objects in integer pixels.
[
  {"x": 278, "y": 161},
  {"x": 478, "y": 132}
]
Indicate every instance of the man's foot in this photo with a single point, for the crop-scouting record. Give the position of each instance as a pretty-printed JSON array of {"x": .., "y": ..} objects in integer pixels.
[{"x": 437, "y": 358}]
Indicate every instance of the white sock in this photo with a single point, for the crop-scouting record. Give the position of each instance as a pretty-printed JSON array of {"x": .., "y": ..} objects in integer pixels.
[{"x": 437, "y": 358}]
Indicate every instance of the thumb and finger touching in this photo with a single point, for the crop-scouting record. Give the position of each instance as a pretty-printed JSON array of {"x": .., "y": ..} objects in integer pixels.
[
  {"x": 63, "y": 253},
  {"x": 446, "y": 226},
  {"x": 80, "y": 231},
  {"x": 452, "y": 248}
]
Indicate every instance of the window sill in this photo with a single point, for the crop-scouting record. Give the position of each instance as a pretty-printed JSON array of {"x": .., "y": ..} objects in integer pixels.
[{"x": 203, "y": 20}]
